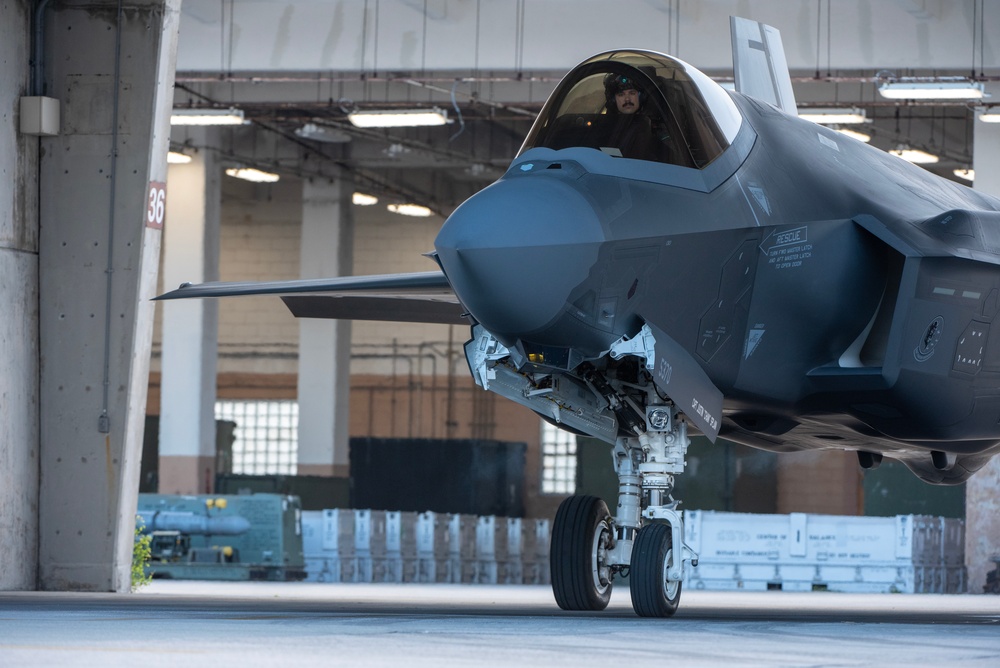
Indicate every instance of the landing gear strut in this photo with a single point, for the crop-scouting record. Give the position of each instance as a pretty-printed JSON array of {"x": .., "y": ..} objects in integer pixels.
[{"x": 645, "y": 537}]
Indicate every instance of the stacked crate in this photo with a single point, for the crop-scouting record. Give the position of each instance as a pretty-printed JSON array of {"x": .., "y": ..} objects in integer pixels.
[
  {"x": 797, "y": 552},
  {"x": 800, "y": 552},
  {"x": 328, "y": 544},
  {"x": 431, "y": 547},
  {"x": 514, "y": 568},
  {"x": 387, "y": 546},
  {"x": 461, "y": 566}
]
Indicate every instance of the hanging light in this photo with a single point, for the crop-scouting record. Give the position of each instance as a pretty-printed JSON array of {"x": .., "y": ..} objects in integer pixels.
[
  {"x": 967, "y": 174},
  {"x": 854, "y": 134},
  {"x": 942, "y": 89},
  {"x": 410, "y": 210},
  {"x": 915, "y": 156},
  {"x": 989, "y": 115},
  {"x": 206, "y": 117},
  {"x": 362, "y": 199},
  {"x": 322, "y": 134},
  {"x": 398, "y": 118},
  {"x": 849, "y": 116},
  {"x": 251, "y": 174},
  {"x": 178, "y": 158}
]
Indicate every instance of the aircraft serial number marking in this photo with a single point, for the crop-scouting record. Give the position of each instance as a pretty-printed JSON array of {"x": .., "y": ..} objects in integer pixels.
[{"x": 709, "y": 419}]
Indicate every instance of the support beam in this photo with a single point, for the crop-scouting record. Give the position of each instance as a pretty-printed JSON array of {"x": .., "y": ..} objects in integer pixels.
[
  {"x": 190, "y": 328},
  {"x": 325, "y": 345},
  {"x": 111, "y": 67},
  {"x": 19, "y": 322}
]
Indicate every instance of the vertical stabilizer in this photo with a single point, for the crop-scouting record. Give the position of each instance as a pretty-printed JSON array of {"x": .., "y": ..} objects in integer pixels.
[{"x": 759, "y": 64}]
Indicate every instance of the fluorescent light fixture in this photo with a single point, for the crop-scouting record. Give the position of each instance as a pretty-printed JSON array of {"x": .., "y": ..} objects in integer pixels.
[
  {"x": 361, "y": 199},
  {"x": 410, "y": 210},
  {"x": 932, "y": 90},
  {"x": 967, "y": 174},
  {"x": 915, "y": 156},
  {"x": 851, "y": 116},
  {"x": 854, "y": 134},
  {"x": 178, "y": 158},
  {"x": 206, "y": 117},
  {"x": 991, "y": 115},
  {"x": 322, "y": 134},
  {"x": 250, "y": 174},
  {"x": 398, "y": 118}
]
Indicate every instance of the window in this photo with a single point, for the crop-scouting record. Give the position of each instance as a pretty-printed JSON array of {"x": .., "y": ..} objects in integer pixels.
[
  {"x": 267, "y": 439},
  {"x": 558, "y": 460},
  {"x": 683, "y": 118}
]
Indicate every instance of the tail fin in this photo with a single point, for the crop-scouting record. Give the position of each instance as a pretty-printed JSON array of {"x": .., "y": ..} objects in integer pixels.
[{"x": 759, "y": 64}]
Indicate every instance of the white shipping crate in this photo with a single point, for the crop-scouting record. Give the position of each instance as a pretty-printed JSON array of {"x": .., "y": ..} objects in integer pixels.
[
  {"x": 328, "y": 545},
  {"x": 432, "y": 545},
  {"x": 514, "y": 573},
  {"x": 486, "y": 567},
  {"x": 812, "y": 577},
  {"x": 800, "y": 552},
  {"x": 746, "y": 538}
]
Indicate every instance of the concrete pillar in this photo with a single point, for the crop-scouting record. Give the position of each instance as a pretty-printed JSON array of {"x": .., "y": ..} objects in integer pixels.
[
  {"x": 325, "y": 345},
  {"x": 982, "y": 491},
  {"x": 19, "y": 306},
  {"x": 190, "y": 327},
  {"x": 100, "y": 184}
]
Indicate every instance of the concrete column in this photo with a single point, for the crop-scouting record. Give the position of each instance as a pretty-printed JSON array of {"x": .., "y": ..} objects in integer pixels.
[
  {"x": 111, "y": 66},
  {"x": 982, "y": 491},
  {"x": 190, "y": 327},
  {"x": 19, "y": 322},
  {"x": 325, "y": 345}
]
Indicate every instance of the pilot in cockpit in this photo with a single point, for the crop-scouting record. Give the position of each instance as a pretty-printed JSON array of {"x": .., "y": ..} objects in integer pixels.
[{"x": 631, "y": 130}]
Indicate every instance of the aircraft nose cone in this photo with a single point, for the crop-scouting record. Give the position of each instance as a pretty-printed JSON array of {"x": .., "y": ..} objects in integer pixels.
[{"x": 515, "y": 251}]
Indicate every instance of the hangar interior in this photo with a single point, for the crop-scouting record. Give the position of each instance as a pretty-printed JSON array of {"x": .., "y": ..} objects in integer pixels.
[{"x": 88, "y": 358}]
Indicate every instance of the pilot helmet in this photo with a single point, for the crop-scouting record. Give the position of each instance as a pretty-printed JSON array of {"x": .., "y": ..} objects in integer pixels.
[{"x": 615, "y": 82}]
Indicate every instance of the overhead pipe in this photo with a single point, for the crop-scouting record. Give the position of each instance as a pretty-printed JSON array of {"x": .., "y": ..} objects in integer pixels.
[{"x": 38, "y": 48}]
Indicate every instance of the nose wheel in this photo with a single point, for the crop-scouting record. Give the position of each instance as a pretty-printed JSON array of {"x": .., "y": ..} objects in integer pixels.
[
  {"x": 581, "y": 538},
  {"x": 653, "y": 593}
]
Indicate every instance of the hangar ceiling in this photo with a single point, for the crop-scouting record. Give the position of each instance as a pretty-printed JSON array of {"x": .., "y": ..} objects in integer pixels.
[{"x": 492, "y": 64}]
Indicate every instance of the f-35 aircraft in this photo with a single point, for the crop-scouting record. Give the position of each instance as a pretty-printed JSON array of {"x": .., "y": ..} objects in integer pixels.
[{"x": 700, "y": 261}]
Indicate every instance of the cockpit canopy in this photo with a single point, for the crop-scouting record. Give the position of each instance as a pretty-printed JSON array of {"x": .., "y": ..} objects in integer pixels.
[{"x": 682, "y": 117}]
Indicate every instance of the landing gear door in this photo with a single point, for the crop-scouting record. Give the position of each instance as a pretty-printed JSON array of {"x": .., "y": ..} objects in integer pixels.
[{"x": 678, "y": 375}]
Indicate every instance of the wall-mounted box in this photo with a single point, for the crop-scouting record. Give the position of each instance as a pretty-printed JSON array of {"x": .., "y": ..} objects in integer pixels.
[{"x": 40, "y": 116}]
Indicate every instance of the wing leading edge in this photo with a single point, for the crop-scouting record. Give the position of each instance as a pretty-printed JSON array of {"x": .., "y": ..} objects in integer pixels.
[{"x": 415, "y": 297}]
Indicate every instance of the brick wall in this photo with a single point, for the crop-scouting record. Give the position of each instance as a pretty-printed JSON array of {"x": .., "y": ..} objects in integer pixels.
[{"x": 826, "y": 482}]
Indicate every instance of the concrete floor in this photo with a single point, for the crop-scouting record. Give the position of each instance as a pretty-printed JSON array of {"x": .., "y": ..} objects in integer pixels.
[{"x": 181, "y": 624}]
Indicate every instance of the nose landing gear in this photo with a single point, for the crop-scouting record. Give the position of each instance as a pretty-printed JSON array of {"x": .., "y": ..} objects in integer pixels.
[{"x": 645, "y": 538}]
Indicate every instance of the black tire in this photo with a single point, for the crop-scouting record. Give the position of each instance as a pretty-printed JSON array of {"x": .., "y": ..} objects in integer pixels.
[
  {"x": 652, "y": 594},
  {"x": 581, "y": 524}
]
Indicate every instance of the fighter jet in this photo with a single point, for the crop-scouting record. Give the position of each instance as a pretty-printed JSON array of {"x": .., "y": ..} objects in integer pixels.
[{"x": 663, "y": 257}]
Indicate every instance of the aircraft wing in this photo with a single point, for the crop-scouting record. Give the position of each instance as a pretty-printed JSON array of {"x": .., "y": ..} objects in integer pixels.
[
  {"x": 415, "y": 297},
  {"x": 759, "y": 64}
]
